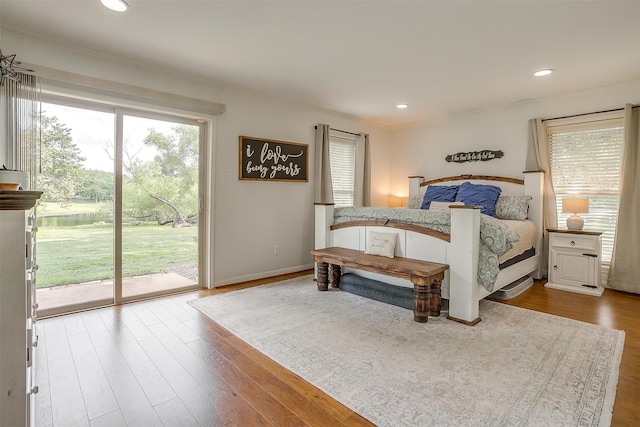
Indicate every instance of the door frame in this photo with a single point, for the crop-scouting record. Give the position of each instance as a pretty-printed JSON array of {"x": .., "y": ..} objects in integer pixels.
[{"x": 205, "y": 184}]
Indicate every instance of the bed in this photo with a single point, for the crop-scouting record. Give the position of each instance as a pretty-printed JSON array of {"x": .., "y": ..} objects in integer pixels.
[{"x": 455, "y": 235}]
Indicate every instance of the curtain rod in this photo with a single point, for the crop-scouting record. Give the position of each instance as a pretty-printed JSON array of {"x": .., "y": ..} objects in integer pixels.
[
  {"x": 343, "y": 131},
  {"x": 588, "y": 114}
]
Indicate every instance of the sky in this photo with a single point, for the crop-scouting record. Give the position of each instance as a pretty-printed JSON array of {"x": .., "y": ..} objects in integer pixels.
[{"x": 93, "y": 132}]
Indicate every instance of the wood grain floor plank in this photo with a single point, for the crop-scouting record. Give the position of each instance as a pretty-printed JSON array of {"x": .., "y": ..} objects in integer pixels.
[
  {"x": 42, "y": 401},
  {"x": 312, "y": 406},
  {"x": 232, "y": 406},
  {"x": 73, "y": 324},
  {"x": 208, "y": 375},
  {"x": 239, "y": 379},
  {"x": 188, "y": 360},
  {"x": 272, "y": 409},
  {"x": 96, "y": 329},
  {"x": 96, "y": 391},
  {"x": 58, "y": 344},
  {"x": 177, "y": 308},
  {"x": 175, "y": 325},
  {"x": 145, "y": 314},
  {"x": 67, "y": 402},
  {"x": 134, "y": 324},
  {"x": 134, "y": 405},
  {"x": 111, "y": 317},
  {"x": 112, "y": 419},
  {"x": 299, "y": 386},
  {"x": 154, "y": 385},
  {"x": 174, "y": 413},
  {"x": 201, "y": 405}
]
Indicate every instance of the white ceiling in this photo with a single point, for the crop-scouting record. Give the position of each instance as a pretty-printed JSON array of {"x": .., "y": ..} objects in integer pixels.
[{"x": 362, "y": 57}]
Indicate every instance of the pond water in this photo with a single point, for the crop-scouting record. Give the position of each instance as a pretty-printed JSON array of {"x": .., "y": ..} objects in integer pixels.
[{"x": 70, "y": 220}]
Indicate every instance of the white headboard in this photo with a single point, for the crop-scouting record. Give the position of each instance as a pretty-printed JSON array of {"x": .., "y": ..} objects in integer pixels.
[
  {"x": 510, "y": 186},
  {"x": 532, "y": 185}
]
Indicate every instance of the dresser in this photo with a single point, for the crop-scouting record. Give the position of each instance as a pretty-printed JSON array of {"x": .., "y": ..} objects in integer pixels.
[
  {"x": 575, "y": 261},
  {"x": 18, "y": 336}
]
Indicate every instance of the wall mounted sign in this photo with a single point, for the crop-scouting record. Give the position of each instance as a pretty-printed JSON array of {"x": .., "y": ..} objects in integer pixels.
[
  {"x": 271, "y": 160},
  {"x": 474, "y": 156}
]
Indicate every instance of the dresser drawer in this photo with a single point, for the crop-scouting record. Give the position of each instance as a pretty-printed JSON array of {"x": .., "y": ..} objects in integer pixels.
[{"x": 574, "y": 241}]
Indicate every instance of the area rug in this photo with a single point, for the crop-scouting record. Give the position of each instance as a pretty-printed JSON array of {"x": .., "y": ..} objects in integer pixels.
[{"x": 516, "y": 367}]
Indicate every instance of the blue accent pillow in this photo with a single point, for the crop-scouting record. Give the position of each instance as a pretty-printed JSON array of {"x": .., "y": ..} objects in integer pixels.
[
  {"x": 439, "y": 193},
  {"x": 482, "y": 195}
]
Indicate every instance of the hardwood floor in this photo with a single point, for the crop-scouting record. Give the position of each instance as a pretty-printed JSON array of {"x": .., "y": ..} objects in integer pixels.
[{"x": 161, "y": 362}]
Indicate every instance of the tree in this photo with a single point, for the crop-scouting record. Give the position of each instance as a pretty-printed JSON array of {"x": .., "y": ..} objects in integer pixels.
[
  {"x": 61, "y": 163},
  {"x": 97, "y": 186},
  {"x": 166, "y": 187}
]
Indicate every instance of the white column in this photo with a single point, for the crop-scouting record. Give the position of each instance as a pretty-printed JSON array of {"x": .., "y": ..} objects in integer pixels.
[
  {"x": 533, "y": 186},
  {"x": 414, "y": 185},
  {"x": 462, "y": 257},
  {"x": 323, "y": 223}
]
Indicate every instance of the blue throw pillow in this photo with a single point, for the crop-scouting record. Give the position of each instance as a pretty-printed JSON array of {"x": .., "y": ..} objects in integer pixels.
[
  {"x": 479, "y": 195},
  {"x": 439, "y": 193}
]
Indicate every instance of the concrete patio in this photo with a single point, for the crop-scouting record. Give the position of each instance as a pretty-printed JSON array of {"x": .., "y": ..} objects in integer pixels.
[{"x": 73, "y": 297}]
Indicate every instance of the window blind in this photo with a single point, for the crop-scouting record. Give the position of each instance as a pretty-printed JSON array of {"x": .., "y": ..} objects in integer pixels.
[
  {"x": 342, "y": 155},
  {"x": 586, "y": 162}
]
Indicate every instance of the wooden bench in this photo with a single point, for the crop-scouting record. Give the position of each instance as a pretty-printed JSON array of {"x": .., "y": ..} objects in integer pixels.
[{"x": 426, "y": 276}]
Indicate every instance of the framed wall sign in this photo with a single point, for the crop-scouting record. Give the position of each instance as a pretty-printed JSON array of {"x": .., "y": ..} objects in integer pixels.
[
  {"x": 474, "y": 156},
  {"x": 272, "y": 160}
]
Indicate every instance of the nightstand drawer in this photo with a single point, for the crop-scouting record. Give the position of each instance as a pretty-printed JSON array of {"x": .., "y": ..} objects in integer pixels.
[{"x": 573, "y": 241}]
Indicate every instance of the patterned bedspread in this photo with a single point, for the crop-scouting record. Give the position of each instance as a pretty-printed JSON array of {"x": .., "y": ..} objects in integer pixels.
[{"x": 496, "y": 236}]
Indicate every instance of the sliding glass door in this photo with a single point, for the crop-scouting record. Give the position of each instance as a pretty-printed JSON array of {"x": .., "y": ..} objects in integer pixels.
[
  {"x": 75, "y": 237},
  {"x": 120, "y": 213},
  {"x": 159, "y": 206}
]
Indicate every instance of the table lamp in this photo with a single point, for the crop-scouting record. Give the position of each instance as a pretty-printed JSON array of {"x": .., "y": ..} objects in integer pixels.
[{"x": 574, "y": 207}]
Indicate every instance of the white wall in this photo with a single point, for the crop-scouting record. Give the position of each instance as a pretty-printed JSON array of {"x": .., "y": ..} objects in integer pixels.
[
  {"x": 250, "y": 217},
  {"x": 420, "y": 149}
]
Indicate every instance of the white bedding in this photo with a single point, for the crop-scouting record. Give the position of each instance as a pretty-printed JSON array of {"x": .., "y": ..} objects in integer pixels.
[
  {"x": 526, "y": 230},
  {"x": 497, "y": 237}
]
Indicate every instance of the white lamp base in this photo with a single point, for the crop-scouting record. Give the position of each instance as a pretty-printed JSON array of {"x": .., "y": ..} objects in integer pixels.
[{"x": 575, "y": 222}]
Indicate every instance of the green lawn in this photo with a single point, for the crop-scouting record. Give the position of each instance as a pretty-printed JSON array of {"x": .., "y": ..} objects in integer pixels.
[
  {"x": 85, "y": 253},
  {"x": 48, "y": 208}
]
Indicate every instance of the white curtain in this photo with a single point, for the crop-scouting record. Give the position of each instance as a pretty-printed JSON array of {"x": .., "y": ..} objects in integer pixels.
[
  {"x": 19, "y": 107},
  {"x": 362, "y": 182},
  {"x": 538, "y": 158},
  {"x": 322, "y": 173},
  {"x": 624, "y": 271}
]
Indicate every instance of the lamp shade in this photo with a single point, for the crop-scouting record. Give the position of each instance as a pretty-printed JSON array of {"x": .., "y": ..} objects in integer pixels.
[{"x": 575, "y": 206}]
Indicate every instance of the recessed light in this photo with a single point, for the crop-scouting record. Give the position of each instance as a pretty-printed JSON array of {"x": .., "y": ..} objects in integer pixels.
[
  {"x": 402, "y": 106},
  {"x": 115, "y": 5},
  {"x": 542, "y": 73}
]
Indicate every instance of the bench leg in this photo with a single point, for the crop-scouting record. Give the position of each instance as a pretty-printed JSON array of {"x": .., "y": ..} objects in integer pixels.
[
  {"x": 427, "y": 299},
  {"x": 323, "y": 276},
  {"x": 421, "y": 300},
  {"x": 336, "y": 271},
  {"x": 435, "y": 301}
]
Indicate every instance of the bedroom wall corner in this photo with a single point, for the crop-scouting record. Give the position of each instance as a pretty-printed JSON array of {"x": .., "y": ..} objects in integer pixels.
[
  {"x": 250, "y": 217},
  {"x": 421, "y": 148}
]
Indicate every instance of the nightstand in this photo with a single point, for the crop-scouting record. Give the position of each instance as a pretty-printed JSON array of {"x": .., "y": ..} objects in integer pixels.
[{"x": 574, "y": 261}]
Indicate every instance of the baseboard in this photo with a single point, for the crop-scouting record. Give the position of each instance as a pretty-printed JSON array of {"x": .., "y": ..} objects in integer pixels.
[{"x": 263, "y": 275}]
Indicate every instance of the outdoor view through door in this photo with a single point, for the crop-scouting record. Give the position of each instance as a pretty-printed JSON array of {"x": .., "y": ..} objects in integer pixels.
[
  {"x": 159, "y": 206},
  {"x": 98, "y": 245}
]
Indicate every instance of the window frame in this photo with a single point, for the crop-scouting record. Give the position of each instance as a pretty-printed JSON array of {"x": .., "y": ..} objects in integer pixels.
[
  {"x": 591, "y": 122},
  {"x": 348, "y": 144}
]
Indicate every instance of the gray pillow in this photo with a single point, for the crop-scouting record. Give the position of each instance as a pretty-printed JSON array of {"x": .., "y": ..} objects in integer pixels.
[
  {"x": 512, "y": 207},
  {"x": 415, "y": 201}
]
